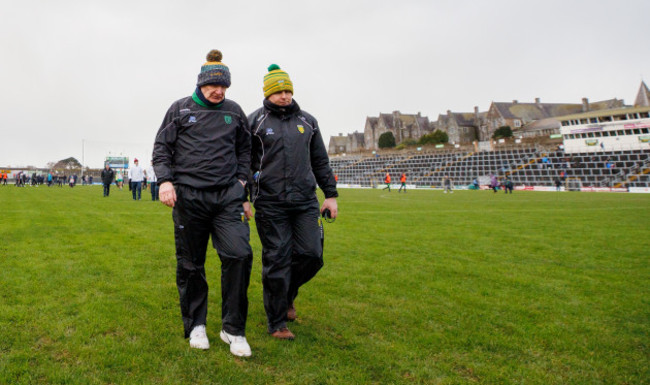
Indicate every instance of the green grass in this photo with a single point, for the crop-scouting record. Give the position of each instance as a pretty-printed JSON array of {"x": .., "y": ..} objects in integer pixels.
[{"x": 422, "y": 288}]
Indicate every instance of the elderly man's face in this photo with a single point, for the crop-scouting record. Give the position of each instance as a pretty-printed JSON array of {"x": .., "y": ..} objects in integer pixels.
[
  {"x": 282, "y": 98},
  {"x": 214, "y": 93}
]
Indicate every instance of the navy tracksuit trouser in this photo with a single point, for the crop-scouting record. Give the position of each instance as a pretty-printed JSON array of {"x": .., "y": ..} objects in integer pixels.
[{"x": 199, "y": 215}]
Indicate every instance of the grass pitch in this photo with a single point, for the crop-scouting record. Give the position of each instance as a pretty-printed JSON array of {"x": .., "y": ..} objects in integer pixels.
[{"x": 423, "y": 288}]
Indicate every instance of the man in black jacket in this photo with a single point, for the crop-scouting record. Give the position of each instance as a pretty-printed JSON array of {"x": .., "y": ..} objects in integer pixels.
[
  {"x": 288, "y": 160},
  {"x": 107, "y": 178},
  {"x": 201, "y": 158}
]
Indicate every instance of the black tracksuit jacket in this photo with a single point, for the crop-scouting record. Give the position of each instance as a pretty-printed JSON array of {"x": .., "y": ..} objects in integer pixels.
[
  {"x": 107, "y": 176},
  {"x": 289, "y": 154},
  {"x": 202, "y": 147}
]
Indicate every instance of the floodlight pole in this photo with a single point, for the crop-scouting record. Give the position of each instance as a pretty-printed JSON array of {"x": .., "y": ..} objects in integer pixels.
[{"x": 82, "y": 158}]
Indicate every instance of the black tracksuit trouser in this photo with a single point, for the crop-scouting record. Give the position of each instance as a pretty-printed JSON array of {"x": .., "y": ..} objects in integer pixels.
[
  {"x": 199, "y": 214},
  {"x": 292, "y": 253}
]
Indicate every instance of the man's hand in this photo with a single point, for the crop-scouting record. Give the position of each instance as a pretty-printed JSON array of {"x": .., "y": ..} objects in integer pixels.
[
  {"x": 330, "y": 203},
  {"x": 248, "y": 212},
  {"x": 167, "y": 194}
]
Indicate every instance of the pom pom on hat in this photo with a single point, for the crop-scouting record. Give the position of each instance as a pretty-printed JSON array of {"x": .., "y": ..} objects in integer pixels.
[
  {"x": 214, "y": 71},
  {"x": 214, "y": 56},
  {"x": 276, "y": 80}
]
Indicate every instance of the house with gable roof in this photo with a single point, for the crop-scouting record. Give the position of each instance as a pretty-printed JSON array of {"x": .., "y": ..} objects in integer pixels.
[
  {"x": 403, "y": 126},
  {"x": 346, "y": 143},
  {"x": 461, "y": 127},
  {"x": 520, "y": 115}
]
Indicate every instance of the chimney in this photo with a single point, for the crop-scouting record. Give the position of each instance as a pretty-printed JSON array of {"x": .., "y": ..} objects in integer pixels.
[
  {"x": 585, "y": 104},
  {"x": 476, "y": 113},
  {"x": 537, "y": 101},
  {"x": 340, "y": 134},
  {"x": 449, "y": 113},
  {"x": 515, "y": 101}
]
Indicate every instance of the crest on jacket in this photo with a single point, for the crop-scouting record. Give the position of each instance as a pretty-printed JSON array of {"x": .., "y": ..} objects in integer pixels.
[
  {"x": 301, "y": 129},
  {"x": 228, "y": 119}
]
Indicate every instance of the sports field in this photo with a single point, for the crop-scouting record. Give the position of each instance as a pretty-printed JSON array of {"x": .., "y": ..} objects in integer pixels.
[{"x": 417, "y": 288}]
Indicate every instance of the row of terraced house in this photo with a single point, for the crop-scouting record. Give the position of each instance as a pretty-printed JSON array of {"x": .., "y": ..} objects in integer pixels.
[{"x": 527, "y": 120}]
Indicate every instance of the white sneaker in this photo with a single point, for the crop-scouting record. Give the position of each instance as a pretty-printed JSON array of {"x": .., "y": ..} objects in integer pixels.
[
  {"x": 238, "y": 344},
  {"x": 198, "y": 338}
]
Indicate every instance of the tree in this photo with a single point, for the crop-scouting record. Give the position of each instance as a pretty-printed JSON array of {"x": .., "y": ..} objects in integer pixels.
[
  {"x": 70, "y": 163},
  {"x": 435, "y": 137},
  {"x": 386, "y": 140},
  {"x": 502, "y": 132}
]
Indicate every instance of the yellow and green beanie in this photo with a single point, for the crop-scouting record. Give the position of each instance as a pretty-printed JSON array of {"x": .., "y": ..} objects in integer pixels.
[
  {"x": 214, "y": 71},
  {"x": 276, "y": 80}
]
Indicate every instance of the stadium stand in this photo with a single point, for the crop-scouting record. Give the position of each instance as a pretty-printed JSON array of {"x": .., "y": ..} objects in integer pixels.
[{"x": 532, "y": 166}]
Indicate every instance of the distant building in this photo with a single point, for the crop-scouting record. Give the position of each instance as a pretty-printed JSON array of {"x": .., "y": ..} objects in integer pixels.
[
  {"x": 643, "y": 96},
  {"x": 519, "y": 115},
  {"x": 403, "y": 126},
  {"x": 461, "y": 127},
  {"x": 525, "y": 119},
  {"x": 346, "y": 143}
]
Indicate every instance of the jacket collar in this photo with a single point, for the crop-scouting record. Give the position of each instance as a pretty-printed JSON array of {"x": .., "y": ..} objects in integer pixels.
[{"x": 282, "y": 112}]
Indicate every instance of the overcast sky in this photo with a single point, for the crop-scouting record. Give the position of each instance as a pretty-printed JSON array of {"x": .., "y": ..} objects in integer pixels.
[{"x": 100, "y": 75}]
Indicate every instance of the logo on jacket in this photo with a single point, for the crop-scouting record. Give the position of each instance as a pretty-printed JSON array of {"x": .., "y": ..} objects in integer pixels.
[
  {"x": 269, "y": 131},
  {"x": 301, "y": 129},
  {"x": 192, "y": 119},
  {"x": 228, "y": 119}
]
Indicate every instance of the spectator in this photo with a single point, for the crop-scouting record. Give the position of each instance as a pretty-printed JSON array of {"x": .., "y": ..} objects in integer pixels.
[
  {"x": 136, "y": 176},
  {"x": 152, "y": 181},
  {"x": 107, "y": 176}
]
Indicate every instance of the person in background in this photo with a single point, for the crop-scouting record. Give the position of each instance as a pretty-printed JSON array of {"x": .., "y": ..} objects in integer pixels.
[
  {"x": 289, "y": 160},
  {"x": 136, "y": 176},
  {"x": 508, "y": 185},
  {"x": 402, "y": 180},
  {"x": 494, "y": 183},
  {"x": 446, "y": 182},
  {"x": 119, "y": 179},
  {"x": 201, "y": 159},
  {"x": 152, "y": 181},
  {"x": 107, "y": 176},
  {"x": 387, "y": 181}
]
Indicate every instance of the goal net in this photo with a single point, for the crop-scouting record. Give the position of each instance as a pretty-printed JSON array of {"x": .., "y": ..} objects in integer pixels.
[{"x": 573, "y": 184}]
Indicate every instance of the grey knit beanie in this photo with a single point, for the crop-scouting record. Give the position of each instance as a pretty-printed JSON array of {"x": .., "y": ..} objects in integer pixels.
[{"x": 214, "y": 71}]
